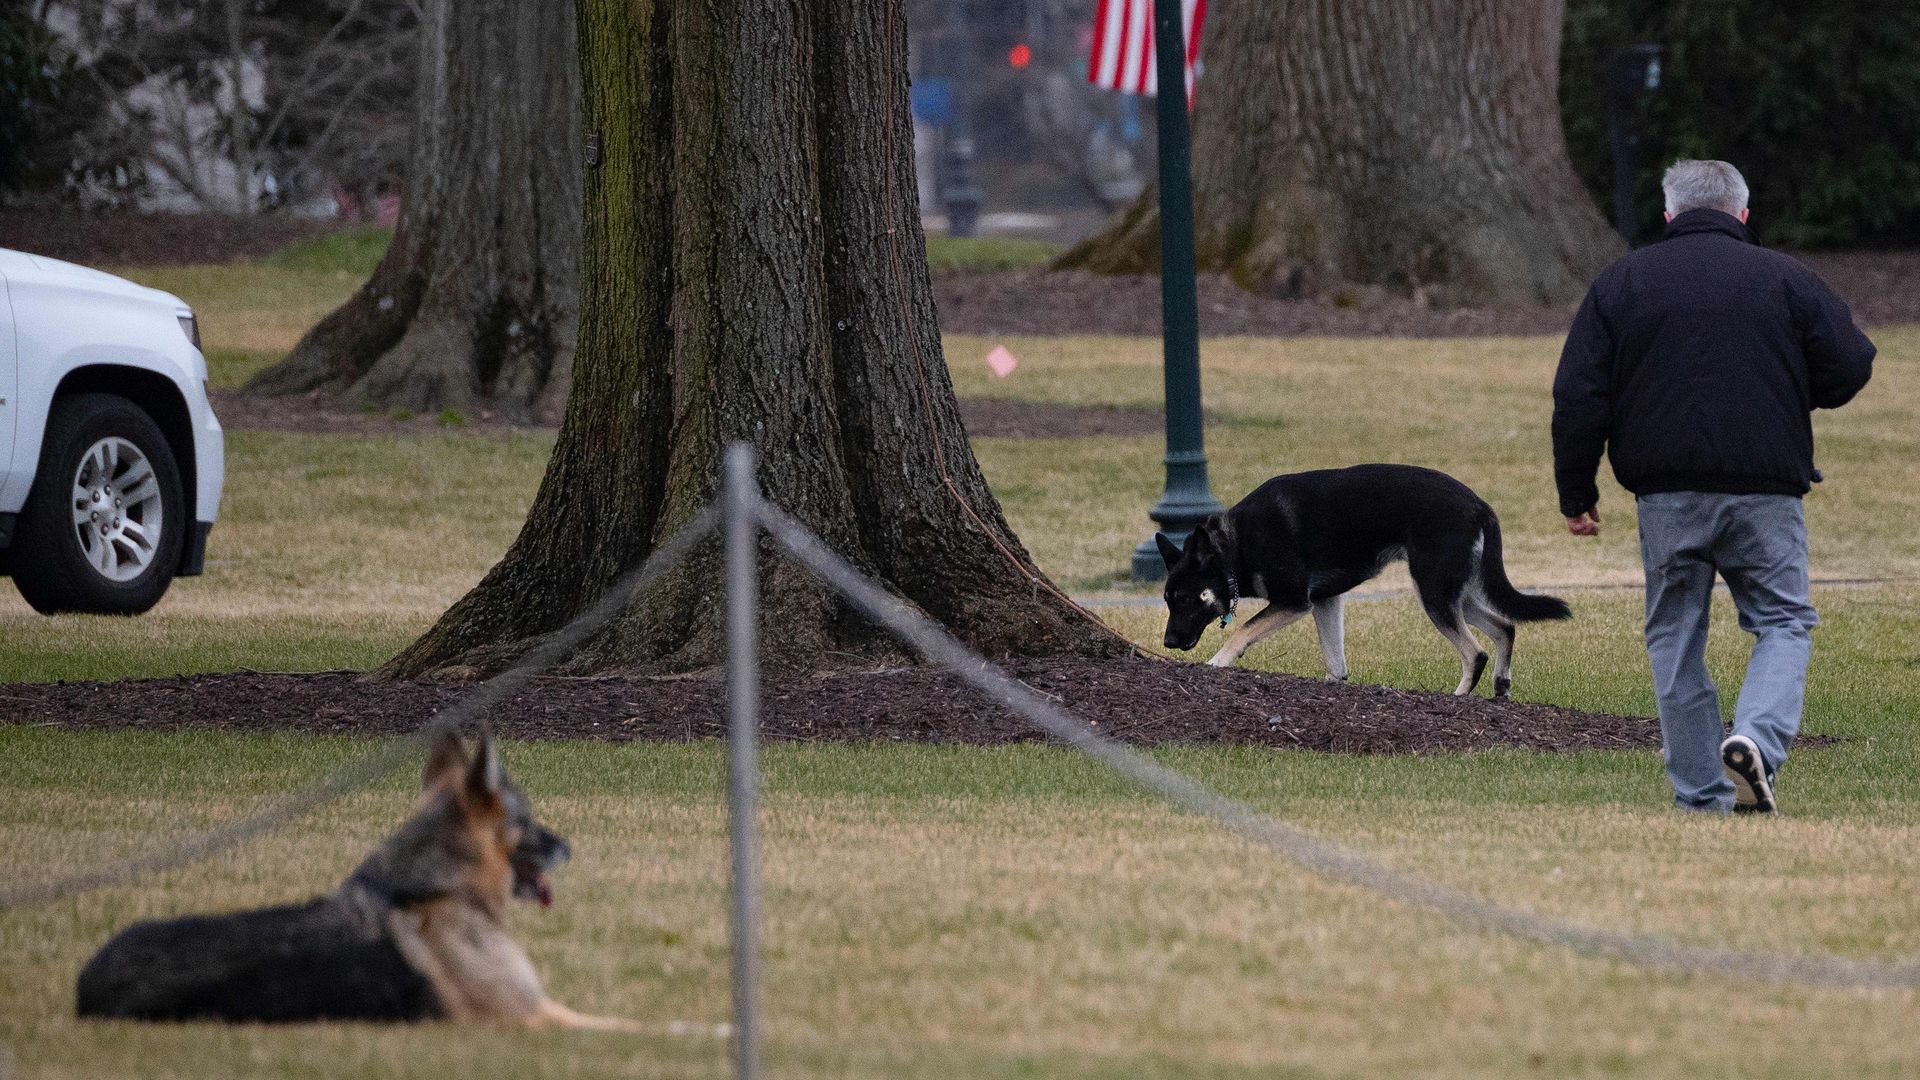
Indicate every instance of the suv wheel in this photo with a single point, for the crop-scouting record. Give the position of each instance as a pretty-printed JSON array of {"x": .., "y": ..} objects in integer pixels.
[{"x": 103, "y": 525}]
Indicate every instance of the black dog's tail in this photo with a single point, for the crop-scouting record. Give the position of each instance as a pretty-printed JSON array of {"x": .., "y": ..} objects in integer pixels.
[{"x": 1507, "y": 600}]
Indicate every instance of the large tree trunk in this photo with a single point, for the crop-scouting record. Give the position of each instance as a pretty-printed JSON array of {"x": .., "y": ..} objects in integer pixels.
[
  {"x": 1412, "y": 144},
  {"x": 474, "y": 305},
  {"x": 754, "y": 269}
]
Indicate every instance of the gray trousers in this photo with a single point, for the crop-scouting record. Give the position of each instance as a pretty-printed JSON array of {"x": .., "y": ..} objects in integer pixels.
[{"x": 1758, "y": 543}]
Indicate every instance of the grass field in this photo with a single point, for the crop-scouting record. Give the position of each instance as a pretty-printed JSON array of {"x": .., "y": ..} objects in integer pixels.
[
  {"x": 946, "y": 912},
  {"x": 1016, "y": 913}
]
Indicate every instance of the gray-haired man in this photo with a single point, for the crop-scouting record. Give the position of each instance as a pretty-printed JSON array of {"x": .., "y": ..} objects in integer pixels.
[{"x": 1695, "y": 364}]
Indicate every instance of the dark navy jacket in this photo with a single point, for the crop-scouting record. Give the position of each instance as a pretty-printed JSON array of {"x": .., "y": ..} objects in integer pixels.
[{"x": 1695, "y": 364}]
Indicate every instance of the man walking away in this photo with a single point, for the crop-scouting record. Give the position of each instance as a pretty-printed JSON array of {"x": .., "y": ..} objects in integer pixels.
[{"x": 1695, "y": 364}]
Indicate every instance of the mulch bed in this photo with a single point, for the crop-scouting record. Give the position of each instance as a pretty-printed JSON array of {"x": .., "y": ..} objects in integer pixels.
[
  {"x": 988, "y": 418},
  {"x": 1143, "y": 702},
  {"x": 124, "y": 239},
  {"x": 321, "y": 413},
  {"x": 1045, "y": 303},
  {"x": 1878, "y": 285},
  {"x": 327, "y": 414}
]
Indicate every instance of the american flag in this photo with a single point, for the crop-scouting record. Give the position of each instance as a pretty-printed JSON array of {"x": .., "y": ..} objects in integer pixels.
[{"x": 1123, "y": 45}]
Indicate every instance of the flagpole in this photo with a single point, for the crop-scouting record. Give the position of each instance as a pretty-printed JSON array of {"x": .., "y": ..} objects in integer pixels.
[{"x": 1187, "y": 499}]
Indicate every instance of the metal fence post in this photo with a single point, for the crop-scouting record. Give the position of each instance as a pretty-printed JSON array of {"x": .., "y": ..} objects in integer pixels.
[{"x": 743, "y": 775}]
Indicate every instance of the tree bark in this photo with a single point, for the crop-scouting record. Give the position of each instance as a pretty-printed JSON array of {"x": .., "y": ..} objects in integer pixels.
[
  {"x": 1411, "y": 144},
  {"x": 754, "y": 269},
  {"x": 475, "y": 303}
]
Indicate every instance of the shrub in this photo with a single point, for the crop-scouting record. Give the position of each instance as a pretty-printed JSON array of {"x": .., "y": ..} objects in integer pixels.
[{"x": 1818, "y": 104}]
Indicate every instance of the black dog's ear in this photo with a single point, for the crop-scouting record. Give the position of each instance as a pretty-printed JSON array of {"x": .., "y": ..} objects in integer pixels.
[
  {"x": 1215, "y": 530},
  {"x": 1169, "y": 550}
]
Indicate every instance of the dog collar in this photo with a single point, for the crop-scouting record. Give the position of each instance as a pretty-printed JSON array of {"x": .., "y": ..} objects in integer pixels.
[{"x": 1233, "y": 600}]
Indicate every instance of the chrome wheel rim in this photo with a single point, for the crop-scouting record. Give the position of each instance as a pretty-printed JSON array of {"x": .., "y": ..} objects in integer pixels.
[{"x": 117, "y": 512}]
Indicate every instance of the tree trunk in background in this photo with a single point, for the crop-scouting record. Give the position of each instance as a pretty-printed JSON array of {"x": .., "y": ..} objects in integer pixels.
[
  {"x": 1413, "y": 144},
  {"x": 475, "y": 304},
  {"x": 754, "y": 269}
]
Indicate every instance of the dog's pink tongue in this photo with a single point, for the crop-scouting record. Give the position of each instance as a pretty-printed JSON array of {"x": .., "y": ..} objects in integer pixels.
[{"x": 542, "y": 890}]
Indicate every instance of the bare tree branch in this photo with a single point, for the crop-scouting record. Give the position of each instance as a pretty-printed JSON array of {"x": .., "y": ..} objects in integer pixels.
[
  {"x": 298, "y": 97},
  {"x": 297, "y": 93}
]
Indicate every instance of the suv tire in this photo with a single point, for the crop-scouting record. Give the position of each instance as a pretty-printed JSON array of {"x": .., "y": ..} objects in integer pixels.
[{"x": 103, "y": 526}]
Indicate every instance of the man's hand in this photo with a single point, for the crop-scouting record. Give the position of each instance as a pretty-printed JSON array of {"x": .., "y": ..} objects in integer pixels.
[{"x": 1587, "y": 524}]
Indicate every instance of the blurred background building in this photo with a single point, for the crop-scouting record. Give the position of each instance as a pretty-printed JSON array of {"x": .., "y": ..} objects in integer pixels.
[{"x": 1004, "y": 114}]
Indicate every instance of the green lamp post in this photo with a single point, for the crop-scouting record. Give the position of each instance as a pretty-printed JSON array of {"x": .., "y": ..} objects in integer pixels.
[{"x": 1187, "y": 499}]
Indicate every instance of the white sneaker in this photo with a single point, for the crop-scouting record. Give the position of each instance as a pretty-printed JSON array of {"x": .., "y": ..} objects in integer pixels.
[{"x": 1752, "y": 783}]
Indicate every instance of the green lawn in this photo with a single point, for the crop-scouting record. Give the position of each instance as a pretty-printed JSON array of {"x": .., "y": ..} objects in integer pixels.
[{"x": 938, "y": 911}]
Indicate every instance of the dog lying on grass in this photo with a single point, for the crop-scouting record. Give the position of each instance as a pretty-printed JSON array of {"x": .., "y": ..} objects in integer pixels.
[
  {"x": 1302, "y": 540},
  {"x": 418, "y": 932}
]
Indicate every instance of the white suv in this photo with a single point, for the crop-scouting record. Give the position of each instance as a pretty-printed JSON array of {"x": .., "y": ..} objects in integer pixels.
[{"x": 111, "y": 461}]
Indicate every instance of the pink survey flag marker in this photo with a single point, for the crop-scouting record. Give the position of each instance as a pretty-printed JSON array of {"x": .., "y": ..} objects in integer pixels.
[{"x": 1001, "y": 361}]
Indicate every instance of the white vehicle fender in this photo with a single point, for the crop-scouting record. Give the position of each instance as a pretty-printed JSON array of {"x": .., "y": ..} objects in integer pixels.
[{"x": 78, "y": 330}]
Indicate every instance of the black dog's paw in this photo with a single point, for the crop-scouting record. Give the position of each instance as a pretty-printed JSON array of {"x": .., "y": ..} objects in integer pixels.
[{"x": 1501, "y": 686}]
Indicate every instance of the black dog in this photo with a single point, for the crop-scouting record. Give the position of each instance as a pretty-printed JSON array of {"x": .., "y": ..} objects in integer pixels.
[{"x": 1301, "y": 540}]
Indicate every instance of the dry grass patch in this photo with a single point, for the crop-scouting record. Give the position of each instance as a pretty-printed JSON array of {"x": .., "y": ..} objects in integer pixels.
[
  {"x": 1478, "y": 408},
  {"x": 247, "y": 306},
  {"x": 1013, "y": 912},
  {"x": 330, "y": 552}
]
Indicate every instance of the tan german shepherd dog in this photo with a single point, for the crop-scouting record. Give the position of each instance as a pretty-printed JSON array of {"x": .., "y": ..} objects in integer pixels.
[{"x": 418, "y": 932}]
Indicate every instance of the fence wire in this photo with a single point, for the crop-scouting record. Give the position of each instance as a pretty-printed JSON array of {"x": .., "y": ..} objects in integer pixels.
[
  {"x": 396, "y": 753},
  {"x": 1322, "y": 856}
]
